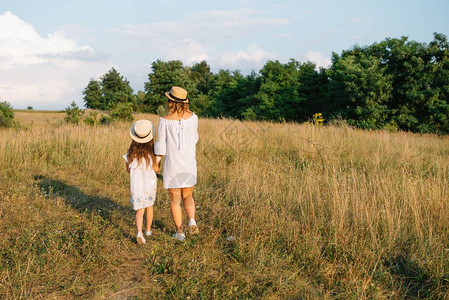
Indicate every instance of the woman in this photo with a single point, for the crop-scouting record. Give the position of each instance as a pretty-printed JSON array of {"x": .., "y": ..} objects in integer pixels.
[{"x": 177, "y": 138}]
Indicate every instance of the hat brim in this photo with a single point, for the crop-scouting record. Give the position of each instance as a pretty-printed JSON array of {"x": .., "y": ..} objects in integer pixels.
[
  {"x": 167, "y": 94},
  {"x": 139, "y": 139}
]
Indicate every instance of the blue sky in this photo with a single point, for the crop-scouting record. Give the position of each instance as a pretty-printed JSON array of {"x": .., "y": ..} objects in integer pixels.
[{"x": 50, "y": 49}]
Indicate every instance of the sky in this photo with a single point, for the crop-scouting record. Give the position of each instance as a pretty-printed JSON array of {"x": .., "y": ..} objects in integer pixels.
[{"x": 50, "y": 49}]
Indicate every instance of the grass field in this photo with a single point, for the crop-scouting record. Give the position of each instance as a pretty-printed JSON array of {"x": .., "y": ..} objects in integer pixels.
[{"x": 286, "y": 211}]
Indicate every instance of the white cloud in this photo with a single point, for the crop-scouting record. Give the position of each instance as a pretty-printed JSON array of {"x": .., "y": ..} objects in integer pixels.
[
  {"x": 203, "y": 35},
  {"x": 318, "y": 59},
  {"x": 253, "y": 54},
  {"x": 43, "y": 72}
]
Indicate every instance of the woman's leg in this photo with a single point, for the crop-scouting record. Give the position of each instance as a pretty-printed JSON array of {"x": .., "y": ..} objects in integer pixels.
[
  {"x": 139, "y": 219},
  {"x": 175, "y": 207},
  {"x": 189, "y": 203},
  {"x": 149, "y": 217}
]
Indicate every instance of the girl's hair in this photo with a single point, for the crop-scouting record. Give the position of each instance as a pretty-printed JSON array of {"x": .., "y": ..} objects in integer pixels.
[
  {"x": 178, "y": 107},
  {"x": 142, "y": 150}
]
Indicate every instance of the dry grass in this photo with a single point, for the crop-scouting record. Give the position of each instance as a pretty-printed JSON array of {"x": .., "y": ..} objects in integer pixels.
[{"x": 316, "y": 212}]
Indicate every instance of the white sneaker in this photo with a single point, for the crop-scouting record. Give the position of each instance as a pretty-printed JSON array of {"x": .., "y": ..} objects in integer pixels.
[
  {"x": 179, "y": 236},
  {"x": 140, "y": 239},
  {"x": 193, "y": 228},
  {"x": 148, "y": 233}
]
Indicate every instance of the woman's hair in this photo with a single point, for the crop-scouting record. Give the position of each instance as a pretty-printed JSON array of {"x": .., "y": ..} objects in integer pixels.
[
  {"x": 142, "y": 150},
  {"x": 180, "y": 108}
]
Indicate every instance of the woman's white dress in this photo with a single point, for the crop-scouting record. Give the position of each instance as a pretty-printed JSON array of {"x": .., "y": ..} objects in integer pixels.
[
  {"x": 143, "y": 183},
  {"x": 177, "y": 141}
]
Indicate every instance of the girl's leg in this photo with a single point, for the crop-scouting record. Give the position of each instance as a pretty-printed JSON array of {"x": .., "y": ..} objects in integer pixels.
[
  {"x": 189, "y": 203},
  {"x": 149, "y": 217},
  {"x": 175, "y": 207},
  {"x": 139, "y": 219}
]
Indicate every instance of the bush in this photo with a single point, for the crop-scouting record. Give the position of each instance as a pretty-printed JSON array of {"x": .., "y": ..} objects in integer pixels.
[
  {"x": 92, "y": 119},
  {"x": 73, "y": 113},
  {"x": 105, "y": 120},
  {"x": 122, "y": 111},
  {"x": 29, "y": 107},
  {"x": 6, "y": 114},
  {"x": 161, "y": 110}
]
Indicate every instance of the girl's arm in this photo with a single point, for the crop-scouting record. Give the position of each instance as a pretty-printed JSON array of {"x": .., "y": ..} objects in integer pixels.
[
  {"x": 157, "y": 165},
  {"x": 125, "y": 157}
]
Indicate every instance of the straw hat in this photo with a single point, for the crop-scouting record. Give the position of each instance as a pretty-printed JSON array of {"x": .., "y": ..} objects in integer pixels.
[
  {"x": 177, "y": 94},
  {"x": 142, "y": 131}
]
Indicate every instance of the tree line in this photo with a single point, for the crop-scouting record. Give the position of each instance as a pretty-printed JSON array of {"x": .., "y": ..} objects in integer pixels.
[{"x": 393, "y": 84}]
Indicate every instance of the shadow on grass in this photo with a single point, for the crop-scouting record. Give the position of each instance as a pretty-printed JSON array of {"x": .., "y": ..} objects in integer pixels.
[
  {"x": 415, "y": 281},
  {"x": 109, "y": 210}
]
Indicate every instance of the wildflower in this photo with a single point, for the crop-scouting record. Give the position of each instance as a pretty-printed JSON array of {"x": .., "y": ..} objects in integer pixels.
[{"x": 318, "y": 119}]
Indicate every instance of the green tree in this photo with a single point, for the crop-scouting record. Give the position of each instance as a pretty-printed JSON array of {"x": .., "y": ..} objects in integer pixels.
[
  {"x": 313, "y": 91},
  {"x": 232, "y": 93},
  {"x": 163, "y": 76},
  {"x": 93, "y": 96},
  {"x": 106, "y": 93},
  {"x": 115, "y": 89},
  {"x": 438, "y": 50},
  {"x": 139, "y": 100},
  {"x": 122, "y": 112},
  {"x": 420, "y": 81},
  {"x": 6, "y": 114},
  {"x": 202, "y": 76},
  {"x": 359, "y": 89},
  {"x": 222, "y": 84},
  {"x": 278, "y": 97},
  {"x": 73, "y": 113}
]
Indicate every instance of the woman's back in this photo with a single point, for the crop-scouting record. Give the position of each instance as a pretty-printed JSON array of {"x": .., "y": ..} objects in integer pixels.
[
  {"x": 177, "y": 141},
  {"x": 177, "y": 117}
]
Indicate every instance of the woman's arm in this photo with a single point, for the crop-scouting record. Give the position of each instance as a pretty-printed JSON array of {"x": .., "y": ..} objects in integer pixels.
[{"x": 160, "y": 148}]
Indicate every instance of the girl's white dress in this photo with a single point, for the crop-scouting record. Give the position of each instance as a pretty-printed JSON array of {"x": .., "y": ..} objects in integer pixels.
[
  {"x": 143, "y": 183},
  {"x": 177, "y": 141}
]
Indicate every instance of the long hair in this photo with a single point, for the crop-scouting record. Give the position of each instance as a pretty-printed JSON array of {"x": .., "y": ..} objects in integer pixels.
[
  {"x": 180, "y": 108},
  {"x": 140, "y": 151}
]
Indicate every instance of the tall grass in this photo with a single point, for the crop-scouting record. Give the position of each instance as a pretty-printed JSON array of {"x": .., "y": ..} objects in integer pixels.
[{"x": 285, "y": 211}]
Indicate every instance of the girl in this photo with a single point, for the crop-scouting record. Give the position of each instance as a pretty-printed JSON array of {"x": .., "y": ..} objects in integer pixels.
[
  {"x": 177, "y": 138},
  {"x": 142, "y": 165}
]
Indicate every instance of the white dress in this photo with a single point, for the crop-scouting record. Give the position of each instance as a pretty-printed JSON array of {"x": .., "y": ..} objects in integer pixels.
[
  {"x": 143, "y": 183},
  {"x": 177, "y": 141}
]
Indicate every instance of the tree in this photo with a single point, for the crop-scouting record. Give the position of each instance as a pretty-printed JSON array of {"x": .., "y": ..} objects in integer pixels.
[
  {"x": 139, "y": 100},
  {"x": 111, "y": 89},
  {"x": 164, "y": 75},
  {"x": 122, "y": 111},
  {"x": 420, "y": 81},
  {"x": 202, "y": 76},
  {"x": 438, "y": 51},
  {"x": 359, "y": 89},
  {"x": 232, "y": 93},
  {"x": 115, "y": 88},
  {"x": 313, "y": 89},
  {"x": 278, "y": 97},
  {"x": 221, "y": 86},
  {"x": 6, "y": 114},
  {"x": 93, "y": 96},
  {"x": 73, "y": 113}
]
